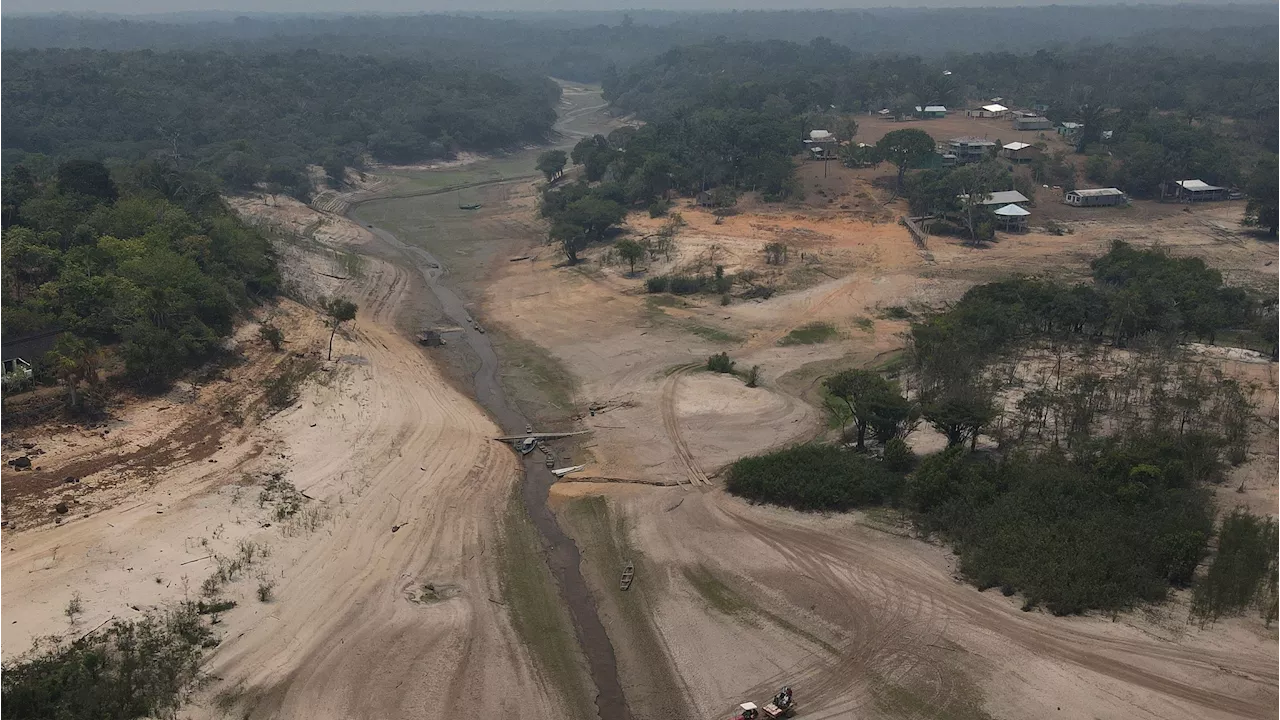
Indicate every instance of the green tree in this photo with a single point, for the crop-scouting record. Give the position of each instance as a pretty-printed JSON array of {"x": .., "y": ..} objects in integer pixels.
[
  {"x": 905, "y": 148},
  {"x": 88, "y": 178},
  {"x": 873, "y": 402},
  {"x": 75, "y": 361},
  {"x": 960, "y": 417},
  {"x": 338, "y": 310},
  {"x": 1263, "y": 193},
  {"x": 630, "y": 251},
  {"x": 551, "y": 163},
  {"x": 973, "y": 185}
]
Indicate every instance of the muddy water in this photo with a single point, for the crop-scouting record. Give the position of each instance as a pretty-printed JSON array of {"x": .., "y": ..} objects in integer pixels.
[{"x": 562, "y": 553}]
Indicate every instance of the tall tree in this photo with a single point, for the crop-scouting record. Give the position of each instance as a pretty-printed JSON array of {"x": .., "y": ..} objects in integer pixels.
[
  {"x": 88, "y": 178},
  {"x": 1263, "y": 193},
  {"x": 551, "y": 163},
  {"x": 338, "y": 310},
  {"x": 905, "y": 149},
  {"x": 873, "y": 402},
  {"x": 630, "y": 251},
  {"x": 75, "y": 361}
]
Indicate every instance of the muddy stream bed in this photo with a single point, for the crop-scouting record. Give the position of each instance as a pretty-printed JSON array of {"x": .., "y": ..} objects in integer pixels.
[{"x": 563, "y": 554}]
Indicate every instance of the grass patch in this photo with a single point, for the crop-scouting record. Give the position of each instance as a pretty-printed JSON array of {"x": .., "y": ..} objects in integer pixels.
[
  {"x": 865, "y": 324},
  {"x": 811, "y": 334},
  {"x": 537, "y": 614},
  {"x": 715, "y": 592},
  {"x": 284, "y": 387},
  {"x": 542, "y": 386},
  {"x": 903, "y": 701},
  {"x": 712, "y": 334},
  {"x": 896, "y": 312},
  {"x": 661, "y": 301}
]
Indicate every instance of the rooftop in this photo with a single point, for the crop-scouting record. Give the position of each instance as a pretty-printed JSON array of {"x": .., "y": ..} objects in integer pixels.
[
  {"x": 931, "y": 108},
  {"x": 1004, "y": 197},
  {"x": 995, "y": 107},
  {"x": 1017, "y": 146},
  {"x": 1197, "y": 185},
  {"x": 972, "y": 141},
  {"x": 1097, "y": 192},
  {"x": 1072, "y": 125},
  {"x": 1013, "y": 211}
]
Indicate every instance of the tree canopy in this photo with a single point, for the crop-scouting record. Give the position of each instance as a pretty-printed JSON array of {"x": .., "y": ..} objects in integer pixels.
[
  {"x": 264, "y": 117},
  {"x": 161, "y": 276}
]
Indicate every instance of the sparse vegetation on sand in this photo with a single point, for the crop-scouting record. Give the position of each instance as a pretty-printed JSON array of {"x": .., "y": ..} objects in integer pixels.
[
  {"x": 125, "y": 669},
  {"x": 810, "y": 334}
]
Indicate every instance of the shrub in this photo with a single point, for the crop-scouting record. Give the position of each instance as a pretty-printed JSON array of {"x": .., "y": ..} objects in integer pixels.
[
  {"x": 657, "y": 284},
  {"x": 898, "y": 455},
  {"x": 1070, "y": 534},
  {"x": 811, "y": 334},
  {"x": 687, "y": 284},
  {"x": 720, "y": 363},
  {"x": 753, "y": 376},
  {"x": 1243, "y": 573},
  {"x": 129, "y": 669},
  {"x": 266, "y": 591},
  {"x": 658, "y": 208},
  {"x": 271, "y": 334},
  {"x": 813, "y": 477}
]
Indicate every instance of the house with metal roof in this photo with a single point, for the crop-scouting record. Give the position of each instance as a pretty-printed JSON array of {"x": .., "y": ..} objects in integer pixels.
[
  {"x": 822, "y": 145},
  {"x": 1196, "y": 191},
  {"x": 969, "y": 149},
  {"x": 1070, "y": 129},
  {"x": 1094, "y": 197},
  {"x": 1002, "y": 197},
  {"x": 931, "y": 111},
  {"x": 994, "y": 110},
  {"x": 1032, "y": 122},
  {"x": 1020, "y": 152}
]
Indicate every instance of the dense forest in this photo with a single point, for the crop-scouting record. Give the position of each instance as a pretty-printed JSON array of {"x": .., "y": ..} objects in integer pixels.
[
  {"x": 155, "y": 265},
  {"x": 821, "y": 74},
  {"x": 583, "y": 45},
  {"x": 255, "y": 118},
  {"x": 1107, "y": 438}
]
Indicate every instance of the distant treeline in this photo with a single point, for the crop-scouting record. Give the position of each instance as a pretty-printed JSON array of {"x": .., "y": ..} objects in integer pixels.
[
  {"x": 263, "y": 117},
  {"x": 582, "y": 45},
  {"x": 820, "y": 74}
]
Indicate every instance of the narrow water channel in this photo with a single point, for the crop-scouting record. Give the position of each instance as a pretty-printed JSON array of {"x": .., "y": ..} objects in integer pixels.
[{"x": 562, "y": 553}]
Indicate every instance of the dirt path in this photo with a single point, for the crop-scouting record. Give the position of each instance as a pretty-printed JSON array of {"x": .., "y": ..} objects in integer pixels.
[{"x": 671, "y": 423}]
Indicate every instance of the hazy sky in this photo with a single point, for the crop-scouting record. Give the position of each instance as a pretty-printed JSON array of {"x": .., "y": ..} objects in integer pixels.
[{"x": 370, "y": 6}]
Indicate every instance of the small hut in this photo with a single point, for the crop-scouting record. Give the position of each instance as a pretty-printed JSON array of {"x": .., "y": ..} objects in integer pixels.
[{"x": 1012, "y": 218}]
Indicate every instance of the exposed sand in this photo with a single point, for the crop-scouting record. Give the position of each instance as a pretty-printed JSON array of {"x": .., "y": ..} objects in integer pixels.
[
  {"x": 406, "y": 487},
  {"x": 860, "y": 619}
]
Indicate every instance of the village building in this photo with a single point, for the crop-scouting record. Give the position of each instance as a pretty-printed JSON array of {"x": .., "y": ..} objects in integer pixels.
[
  {"x": 1020, "y": 152},
  {"x": 1012, "y": 218},
  {"x": 1002, "y": 197},
  {"x": 968, "y": 149},
  {"x": 1032, "y": 122},
  {"x": 931, "y": 111},
  {"x": 1196, "y": 191},
  {"x": 1095, "y": 197},
  {"x": 1070, "y": 129},
  {"x": 822, "y": 145},
  {"x": 994, "y": 110}
]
